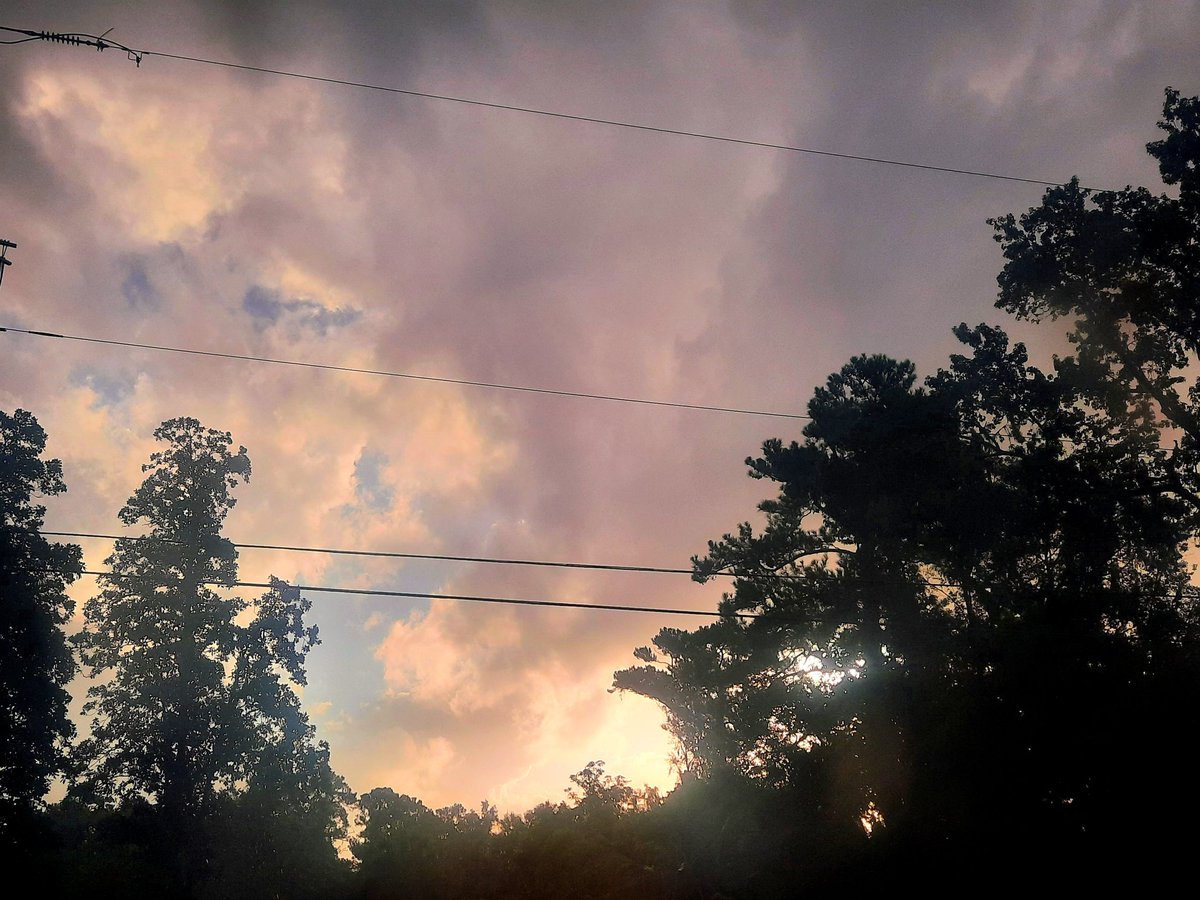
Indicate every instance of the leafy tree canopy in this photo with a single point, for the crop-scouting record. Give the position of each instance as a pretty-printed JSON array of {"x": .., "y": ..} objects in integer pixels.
[
  {"x": 35, "y": 661},
  {"x": 1125, "y": 266},
  {"x": 196, "y": 711}
]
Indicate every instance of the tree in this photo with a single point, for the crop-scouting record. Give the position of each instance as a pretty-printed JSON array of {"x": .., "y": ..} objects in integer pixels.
[
  {"x": 599, "y": 844},
  {"x": 972, "y": 621},
  {"x": 602, "y": 842},
  {"x": 406, "y": 849},
  {"x": 607, "y": 796},
  {"x": 1126, "y": 266},
  {"x": 812, "y": 695},
  {"x": 961, "y": 592},
  {"x": 274, "y": 834},
  {"x": 197, "y": 712},
  {"x": 163, "y": 720},
  {"x": 35, "y": 661}
]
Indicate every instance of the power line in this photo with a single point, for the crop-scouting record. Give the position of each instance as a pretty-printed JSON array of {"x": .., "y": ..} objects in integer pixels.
[
  {"x": 562, "y": 564},
  {"x": 595, "y": 120},
  {"x": 873, "y": 582},
  {"x": 661, "y": 570},
  {"x": 466, "y": 598},
  {"x": 406, "y": 375},
  {"x": 473, "y": 598},
  {"x": 546, "y": 113},
  {"x": 384, "y": 554}
]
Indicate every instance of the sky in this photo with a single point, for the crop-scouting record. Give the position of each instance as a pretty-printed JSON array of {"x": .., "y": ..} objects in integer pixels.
[{"x": 190, "y": 205}]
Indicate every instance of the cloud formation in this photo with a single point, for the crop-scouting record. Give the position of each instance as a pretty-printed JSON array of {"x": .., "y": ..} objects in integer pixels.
[{"x": 202, "y": 207}]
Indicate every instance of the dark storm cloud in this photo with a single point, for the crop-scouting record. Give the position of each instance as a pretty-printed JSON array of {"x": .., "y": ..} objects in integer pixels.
[{"x": 375, "y": 29}]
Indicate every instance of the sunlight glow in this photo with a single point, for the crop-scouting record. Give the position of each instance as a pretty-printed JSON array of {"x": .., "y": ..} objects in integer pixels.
[{"x": 871, "y": 818}]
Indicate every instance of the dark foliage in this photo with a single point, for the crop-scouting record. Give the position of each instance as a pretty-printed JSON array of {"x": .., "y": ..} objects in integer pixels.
[
  {"x": 197, "y": 712},
  {"x": 35, "y": 661},
  {"x": 984, "y": 622}
]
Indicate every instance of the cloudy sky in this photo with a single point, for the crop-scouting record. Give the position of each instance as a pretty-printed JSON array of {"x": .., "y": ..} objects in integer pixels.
[{"x": 191, "y": 205}]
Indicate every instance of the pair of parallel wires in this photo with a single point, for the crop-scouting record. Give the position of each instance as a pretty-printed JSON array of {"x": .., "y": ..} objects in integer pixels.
[
  {"x": 513, "y": 601},
  {"x": 102, "y": 42}
]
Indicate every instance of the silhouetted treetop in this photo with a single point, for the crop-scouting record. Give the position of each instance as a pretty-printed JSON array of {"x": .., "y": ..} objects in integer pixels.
[
  {"x": 1125, "y": 266},
  {"x": 35, "y": 661},
  {"x": 198, "y": 712}
]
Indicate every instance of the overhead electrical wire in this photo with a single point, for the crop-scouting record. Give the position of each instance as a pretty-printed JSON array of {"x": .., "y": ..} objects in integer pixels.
[
  {"x": 465, "y": 598},
  {"x": 215, "y": 354},
  {"x": 405, "y": 375},
  {"x": 385, "y": 554},
  {"x": 616, "y": 123},
  {"x": 78, "y": 38},
  {"x": 563, "y": 564}
]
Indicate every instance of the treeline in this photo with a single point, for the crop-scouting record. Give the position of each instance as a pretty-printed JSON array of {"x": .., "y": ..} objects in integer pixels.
[{"x": 963, "y": 652}]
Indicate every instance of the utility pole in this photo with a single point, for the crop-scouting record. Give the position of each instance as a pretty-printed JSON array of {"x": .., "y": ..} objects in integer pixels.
[{"x": 4, "y": 260}]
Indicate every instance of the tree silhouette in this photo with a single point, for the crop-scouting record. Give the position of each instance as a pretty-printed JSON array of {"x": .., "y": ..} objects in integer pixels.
[
  {"x": 274, "y": 832},
  {"x": 973, "y": 610},
  {"x": 35, "y": 661},
  {"x": 164, "y": 719},
  {"x": 406, "y": 849},
  {"x": 197, "y": 712},
  {"x": 1126, "y": 266},
  {"x": 962, "y": 590},
  {"x": 599, "y": 843}
]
